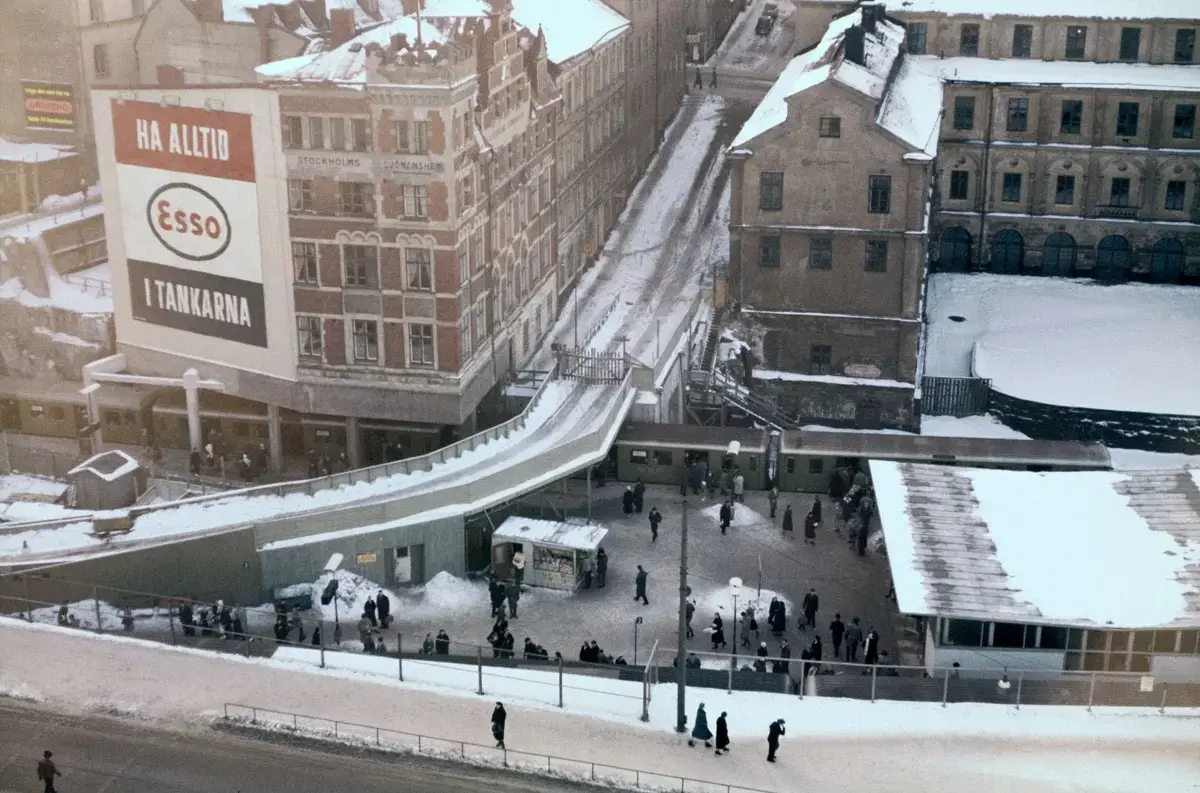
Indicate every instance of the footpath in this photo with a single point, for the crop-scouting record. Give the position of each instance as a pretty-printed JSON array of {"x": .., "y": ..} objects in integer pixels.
[{"x": 74, "y": 672}]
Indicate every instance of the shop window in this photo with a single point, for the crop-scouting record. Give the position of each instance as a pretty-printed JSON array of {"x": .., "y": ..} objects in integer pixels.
[
  {"x": 1009, "y": 634},
  {"x": 816, "y": 465},
  {"x": 639, "y": 456},
  {"x": 1189, "y": 642},
  {"x": 1053, "y": 638},
  {"x": 962, "y": 633},
  {"x": 661, "y": 457}
]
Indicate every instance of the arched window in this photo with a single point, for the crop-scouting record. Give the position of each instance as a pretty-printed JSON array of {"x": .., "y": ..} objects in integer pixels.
[
  {"x": 1008, "y": 252},
  {"x": 955, "y": 250},
  {"x": 1113, "y": 259},
  {"x": 1058, "y": 255},
  {"x": 1166, "y": 261}
]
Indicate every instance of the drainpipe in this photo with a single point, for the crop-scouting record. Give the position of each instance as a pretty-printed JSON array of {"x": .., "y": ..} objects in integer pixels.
[{"x": 987, "y": 172}]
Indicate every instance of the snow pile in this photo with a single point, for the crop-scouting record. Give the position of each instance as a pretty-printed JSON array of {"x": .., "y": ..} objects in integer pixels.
[
  {"x": 1051, "y": 340},
  {"x": 1138, "y": 460},
  {"x": 743, "y": 516},
  {"x": 571, "y": 27},
  {"x": 20, "y": 486},
  {"x": 12, "y": 151},
  {"x": 985, "y": 426},
  {"x": 720, "y": 601},
  {"x": 353, "y": 592}
]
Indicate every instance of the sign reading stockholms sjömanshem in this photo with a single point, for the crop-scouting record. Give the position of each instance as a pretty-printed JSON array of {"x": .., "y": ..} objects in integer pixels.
[{"x": 190, "y": 215}]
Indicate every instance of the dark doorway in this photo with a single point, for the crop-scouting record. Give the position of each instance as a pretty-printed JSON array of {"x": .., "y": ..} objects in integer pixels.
[{"x": 955, "y": 253}]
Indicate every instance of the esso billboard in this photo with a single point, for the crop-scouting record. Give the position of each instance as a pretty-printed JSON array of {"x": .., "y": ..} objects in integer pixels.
[{"x": 188, "y": 221}]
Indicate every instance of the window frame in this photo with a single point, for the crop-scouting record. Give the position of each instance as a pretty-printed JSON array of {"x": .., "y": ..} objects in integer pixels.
[
  {"x": 1010, "y": 180},
  {"x": 1123, "y": 43},
  {"x": 1185, "y": 131},
  {"x": 365, "y": 261},
  {"x": 959, "y": 179},
  {"x": 1169, "y": 193},
  {"x": 916, "y": 37},
  {"x": 300, "y": 195},
  {"x": 1064, "y": 184},
  {"x": 820, "y": 253},
  {"x": 1075, "y": 44},
  {"x": 415, "y": 335},
  {"x": 1022, "y": 41},
  {"x": 768, "y": 243},
  {"x": 830, "y": 127},
  {"x": 1120, "y": 197},
  {"x": 770, "y": 191},
  {"x": 1018, "y": 114},
  {"x": 1127, "y": 117},
  {"x": 418, "y": 269},
  {"x": 1185, "y": 45},
  {"x": 356, "y": 199},
  {"x": 304, "y": 262},
  {"x": 1070, "y": 110},
  {"x": 820, "y": 359},
  {"x": 310, "y": 334},
  {"x": 364, "y": 340},
  {"x": 964, "y": 113},
  {"x": 875, "y": 256},
  {"x": 315, "y": 128},
  {"x": 360, "y": 137},
  {"x": 414, "y": 201},
  {"x": 879, "y": 194},
  {"x": 968, "y": 40}
]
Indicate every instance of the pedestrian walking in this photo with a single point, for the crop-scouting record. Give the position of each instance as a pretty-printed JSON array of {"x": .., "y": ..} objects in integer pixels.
[
  {"x": 746, "y": 615},
  {"x": 871, "y": 647},
  {"x": 689, "y": 609},
  {"x": 773, "y": 500},
  {"x": 496, "y": 595},
  {"x": 809, "y": 606},
  {"x": 46, "y": 771},
  {"x": 499, "y": 718},
  {"x": 739, "y": 487},
  {"x": 718, "y": 632},
  {"x": 601, "y": 567},
  {"x": 760, "y": 665},
  {"x": 700, "y": 731},
  {"x": 518, "y": 565},
  {"x": 383, "y": 606},
  {"x": 655, "y": 519},
  {"x": 816, "y": 510},
  {"x": 854, "y": 637},
  {"x": 722, "y": 734},
  {"x": 699, "y": 80},
  {"x": 441, "y": 643},
  {"x": 810, "y": 529},
  {"x": 726, "y": 515},
  {"x": 714, "y": 85},
  {"x": 774, "y": 733},
  {"x": 639, "y": 495},
  {"x": 513, "y": 593},
  {"x": 787, "y": 519},
  {"x": 785, "y": 652},
  {"x": 837, "y": 629},
  {"x": 370, "y": 609},
  {"x": 627, "y": 499},
  {"x": 640, "y": 586}
]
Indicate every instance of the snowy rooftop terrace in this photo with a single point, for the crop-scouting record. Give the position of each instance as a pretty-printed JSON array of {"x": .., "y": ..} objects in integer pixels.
[
  {"x": 1086, "y": 549},
  {"x": 1068, "y": 342},
  {"x": 1069, "y": 9}
]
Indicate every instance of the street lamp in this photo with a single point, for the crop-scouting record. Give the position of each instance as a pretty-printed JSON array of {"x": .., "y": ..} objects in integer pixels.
[
  {"x": 330, "y": 594},
  {"x": 735, "y": 587},
  {"x": 636, "y": 623}
]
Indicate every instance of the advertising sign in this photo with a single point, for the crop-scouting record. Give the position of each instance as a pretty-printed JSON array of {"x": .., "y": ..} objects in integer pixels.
[
  {"x": 49, "y": 105},
  {"x": 189, "y": 212}
]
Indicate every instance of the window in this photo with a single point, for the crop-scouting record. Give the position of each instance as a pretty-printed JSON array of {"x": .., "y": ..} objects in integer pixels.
[
  {"x": 1064, "y": 190},
  {"x": 1058, "y": 255},
  {"x": 356, "y": 198},
  {"x": 412, "y": 137},
  {"x": 366, "y": 340},
  {"x": 879, "y": 195},
  {"x": 1185, "y": 45},
  {"x": 293, "y": 132},
  {"x": 300, "y": 195},
  {"x": 96, "y": 10},
  {"x": 820, "y": 359},
  {"x": 100, "y": 60},
  {"x": 768, "y": 252},
  {"x": 820, "y": 253},
  {"x": 420, "y": 345},
  {"x": 1176, "y": 190},
  {"x": 304, "y": 261},
  {"x": 1185, "y": 121},
  {"x": 1010, "y": 191},
  {"x": 770, "y": 191},
  {"x": 661, "y": 457},
  {"x": 960, "y": 185},
  {"x": 916, "y": 38},
  {"x": 416, "y": 201},
  {"x": 360, "y": 265},
  {"x": 831, "y": 127},
  {"x": 876, "y": 256},
  {"x": 1018, "y": 115},
  {"x": 1131, "y": 44},
  {"x": 316, "y": 132},
  {"x": 1011, "y": 634},
  {"x": 308, "y": 336},
  {"x": 1022, "y": 45},
  {"x": 1076, "y": 42},
  {"x": 964, "y": 112},
  {"x": 962, "y": 633},
  {"x": 1071, "y": 119},
  {"x": 1118, "y": 192},
  {"x": 1127, "y": 119},
  {"x": 816, "y": 465},
  {"x": 1053, "y": 638},
  {"x": 418, "y": 263},
  {"x": 464, "y": 336},
  {"x": 360, "y": 134},
  {"x": 968, "y": 40},
  {"x": 464, "y": 263}
]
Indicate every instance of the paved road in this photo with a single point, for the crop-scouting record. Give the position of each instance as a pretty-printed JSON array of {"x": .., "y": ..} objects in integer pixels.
[{"x": 103, "y": 755}]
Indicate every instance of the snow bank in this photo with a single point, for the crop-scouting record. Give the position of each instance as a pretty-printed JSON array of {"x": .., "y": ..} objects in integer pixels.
[
  {"x": 743, "y": 516},
  {"x": 1136, "y": 459},
  {"x": 17, "y": 485},
  {"x": 720, "y": 601},
  {"x": 985, "y": 426}
]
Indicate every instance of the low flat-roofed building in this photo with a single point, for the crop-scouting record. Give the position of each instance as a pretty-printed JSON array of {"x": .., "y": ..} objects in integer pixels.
[{"x": 1016, "y": 570}]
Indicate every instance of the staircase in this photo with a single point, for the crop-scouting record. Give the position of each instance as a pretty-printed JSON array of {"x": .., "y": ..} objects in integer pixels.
[
  {"x": 713, "y": 341},
  {"x": 716, "y": 386}
]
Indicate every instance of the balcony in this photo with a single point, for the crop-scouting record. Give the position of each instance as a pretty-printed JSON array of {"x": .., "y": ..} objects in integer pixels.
[{"x": 1117, "y": 212}]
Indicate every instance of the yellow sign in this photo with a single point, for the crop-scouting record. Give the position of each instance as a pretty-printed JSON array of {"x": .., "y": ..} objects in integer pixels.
[{"x": 365, "y": 558}]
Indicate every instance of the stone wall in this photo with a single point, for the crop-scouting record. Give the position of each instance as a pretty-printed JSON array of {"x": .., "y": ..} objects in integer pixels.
[
  {"x": 1121, "y": 429},
  {"x": 43, "y": 342},
  {"x": 837, "y": 405}
]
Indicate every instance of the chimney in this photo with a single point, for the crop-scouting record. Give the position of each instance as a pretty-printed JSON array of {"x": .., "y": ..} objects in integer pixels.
[
  {"x": 410, "y": 7},
  {"x": 854, "y": 46},
  {"x": 341, "y": 26},
  {"x": 169, "y": 76},
  {"x": 264, "y": 39},
  {"x": 210, "y": 11},
  {"x": 872, "y": 15}
]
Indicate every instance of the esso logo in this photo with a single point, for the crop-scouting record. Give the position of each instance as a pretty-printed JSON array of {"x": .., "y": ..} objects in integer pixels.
[{"x": 189, "y": 221}]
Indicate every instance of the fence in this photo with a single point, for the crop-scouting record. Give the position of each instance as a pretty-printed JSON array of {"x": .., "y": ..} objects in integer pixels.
[
  {"x": 955, "y": 396},
  {"x": 478, "y": 667},
  {"x": 388, "y": 739},
  {"x": 591, "y": 366},
  {"x": 35, "y": 461}
]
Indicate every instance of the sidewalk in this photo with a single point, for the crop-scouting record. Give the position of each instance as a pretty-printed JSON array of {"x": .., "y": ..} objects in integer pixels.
[{"x": 189, "y": 689}]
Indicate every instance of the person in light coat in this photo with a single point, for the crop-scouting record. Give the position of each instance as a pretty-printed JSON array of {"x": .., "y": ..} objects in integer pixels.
[{"x": 739, "y": 487}]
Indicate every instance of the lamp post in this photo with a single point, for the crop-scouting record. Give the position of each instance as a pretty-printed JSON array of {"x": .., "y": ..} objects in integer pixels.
[
  {"x": 735, "y": 586},
  {"x": 681, "y": 647},
  {"x": 330, "y": 594},
  {"x": 636, "y": 623}
]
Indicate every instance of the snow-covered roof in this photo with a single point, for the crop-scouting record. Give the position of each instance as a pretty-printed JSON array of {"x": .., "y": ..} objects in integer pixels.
[
  {"x": 1071, "y": 9},
  {"x": 347, "y": 63},
  {"x": 910, "y": 109},
  {"x": 1072, "y": 74},
  {"x": 571, "y": 27},
  {"x": 1114, "y": 550},
  {"x": 109, "y": 466},
  {"x": 577, "y": 536},
  {"x": 13, "y": 151},
  {"x": 1070, "y": 342}
]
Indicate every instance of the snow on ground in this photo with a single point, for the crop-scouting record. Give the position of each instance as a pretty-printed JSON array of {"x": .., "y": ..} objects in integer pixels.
[
  {"x": 985, "y": 426},
  {"x": 1069, "y": 342},
  {"x": 31, "y": 512},
  {"x": 1106, "y": 9},
  {"x": 1136, "y": 459},
  {"x": 19, "y": 485},
  {"x": 720, "y": 601},
  {"x": 744, "y": 50},
  {"x": 13, "y": 151},
  {"x": 743, "y": 516}
]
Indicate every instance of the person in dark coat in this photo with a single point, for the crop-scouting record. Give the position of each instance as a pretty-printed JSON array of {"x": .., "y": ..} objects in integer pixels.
[
  {"x": 810, "y": 529},
  {"x": 499, "y": 718},
  {"x": 860, "y": 540},
  {"x": 194, "y": 462},
  {"x": 496, "y": 592},
  {"x": 513, "y": 592},
  {"x": 689, "y": 609},
  {"x": 627, "y": 499},
  {"x": 816, "y": 649},
  {"x": 871, "y": 647},
  {"x": 785, "y": 652},
  {"x": 726, "y": 515},
  {"x": 683, "y": 484},
  {"x": 383, "y": 606},
  {"x": 655, "y": 519},
  {"x": 507, "y": 645},
  {"x": 837, "y": 485},
  {"x": 187, "y": 619},
  {"x": 722, "y": 734},
  {"x": 775, "y": 732},
  {"x": 441, "y": 643},
  {"x": 837, "y": 629},
  {"x": 809, "y": 606},
  {"x": 816, "y": 509},
  {"x": 718, "y": 632},
  {"x": 46, "y": 771},
  {"x": 787, "y": 519},
  {"x": 601, "y": 567},
  {"x": 854, "y": 637},
  {"x": 640, "y": 586},
  {"x": 369, "y": 609},
  {"x": 700, "y": 731},
  {"x": 761, "y": 664},
  {"x": 639, "y": 495},
  {"x": 316, "y": 637}
]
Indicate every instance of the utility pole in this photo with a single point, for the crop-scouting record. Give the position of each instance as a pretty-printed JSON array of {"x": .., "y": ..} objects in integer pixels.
[{"x": 681, "y": 649}]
